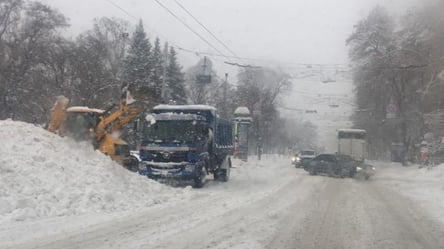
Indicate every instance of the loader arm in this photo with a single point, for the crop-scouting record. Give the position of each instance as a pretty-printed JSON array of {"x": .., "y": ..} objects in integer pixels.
[
  {"x": 57, "y": 121},
  {"x": 128, "y": 113},
  {"x": 116, "y": 120}
]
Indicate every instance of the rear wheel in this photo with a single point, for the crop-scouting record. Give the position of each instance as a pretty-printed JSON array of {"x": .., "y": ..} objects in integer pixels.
[
  {"x": 224, "y": 175},
  {"x": 199, "y": 181},
  {"x": 223, "y": 172}
]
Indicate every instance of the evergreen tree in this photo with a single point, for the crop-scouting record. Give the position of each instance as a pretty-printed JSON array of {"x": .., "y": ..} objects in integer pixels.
[
  {"x": 158, "y": 67},
  {"x": 175, "y": 79},
  {"x": 138, "y": 64}
]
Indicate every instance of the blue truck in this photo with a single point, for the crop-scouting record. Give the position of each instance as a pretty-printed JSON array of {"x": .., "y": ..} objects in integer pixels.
[{"x": 186, "y": 143}]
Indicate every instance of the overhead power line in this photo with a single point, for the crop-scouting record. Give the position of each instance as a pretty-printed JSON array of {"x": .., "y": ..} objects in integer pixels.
[
  {"x": 191, "y": 29},
  {"x": 230, "y": 58},
  {"x": 137, "y": 19},
  {"x": 204, "y": 27}
]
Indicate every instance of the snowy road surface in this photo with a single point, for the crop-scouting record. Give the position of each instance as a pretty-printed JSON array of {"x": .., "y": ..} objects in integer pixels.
[{"x": 267, "y": 204}]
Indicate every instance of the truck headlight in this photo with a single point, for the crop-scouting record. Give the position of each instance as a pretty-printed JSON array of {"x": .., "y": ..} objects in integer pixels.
[
  {"x": 358, "y": 168},
  {"x": 189, "y": 168}
]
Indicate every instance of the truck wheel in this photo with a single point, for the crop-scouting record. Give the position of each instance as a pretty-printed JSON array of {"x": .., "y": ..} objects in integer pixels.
[
  {"x": 225, "y": 175},
  {"x": 216, "y": 175},
  {"x": 199, "y": 181}
]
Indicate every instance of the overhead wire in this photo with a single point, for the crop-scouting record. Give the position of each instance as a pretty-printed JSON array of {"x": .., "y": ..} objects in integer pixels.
[
  {"x": 229, "y": 58},
  {"x": 137, "y": 19},
  {"x": 191, "y": 29},
  {"x": 173, "y": 44},
  {"x": 204, "y": 27}
]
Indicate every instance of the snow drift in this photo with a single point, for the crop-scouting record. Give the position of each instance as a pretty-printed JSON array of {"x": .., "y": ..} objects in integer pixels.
[
  {"x": 44, "y": 175},
  {"x": 424, "y": 186}
]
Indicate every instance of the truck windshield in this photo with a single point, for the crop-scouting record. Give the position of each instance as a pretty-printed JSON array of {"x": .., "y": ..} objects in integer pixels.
[{"x": 172, "y": 132}]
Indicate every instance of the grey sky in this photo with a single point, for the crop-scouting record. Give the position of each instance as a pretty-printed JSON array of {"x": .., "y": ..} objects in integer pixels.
[{"x": 309, "y": 31}]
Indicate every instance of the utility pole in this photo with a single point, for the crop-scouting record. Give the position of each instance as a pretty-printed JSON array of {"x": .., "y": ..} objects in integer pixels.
[{"x": 224, "y": 101}]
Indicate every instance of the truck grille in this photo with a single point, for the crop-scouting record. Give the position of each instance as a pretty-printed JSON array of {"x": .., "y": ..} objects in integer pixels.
[{"x": 171, "y": 156}]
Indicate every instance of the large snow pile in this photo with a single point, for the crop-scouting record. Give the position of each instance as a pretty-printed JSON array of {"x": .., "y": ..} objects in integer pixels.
[{"x": 44, "y": 175}]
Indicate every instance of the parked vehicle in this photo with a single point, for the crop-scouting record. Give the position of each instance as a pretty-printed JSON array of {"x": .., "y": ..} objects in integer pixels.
[
  {"x": 331, "y": 165},
  {"x": 303, "y": 156},
  {"x": 186, "y": 142}
]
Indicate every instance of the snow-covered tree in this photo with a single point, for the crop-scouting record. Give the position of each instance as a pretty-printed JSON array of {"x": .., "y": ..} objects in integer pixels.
[
  {"x": 260, "y": 89},
  {"x": 158, "y": 70},
  {"x": 175, "y": 79},
  {"x": 28, "y": 33},
  {"x": 138, "y": 69}
]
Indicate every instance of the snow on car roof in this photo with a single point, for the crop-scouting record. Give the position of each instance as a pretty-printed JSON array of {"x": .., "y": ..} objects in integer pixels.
[
  {"x": 84, "y": 109},
  {"x": 184, "y": 107}
]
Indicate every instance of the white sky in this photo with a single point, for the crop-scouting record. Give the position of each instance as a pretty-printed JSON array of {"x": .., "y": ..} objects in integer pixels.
[{"x": 309, "y": 31}]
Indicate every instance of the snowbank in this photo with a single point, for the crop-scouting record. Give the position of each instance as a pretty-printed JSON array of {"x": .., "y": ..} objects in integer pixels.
[
  {"x": 422, "y": 185},
  {"x": 43, "y": 175}
]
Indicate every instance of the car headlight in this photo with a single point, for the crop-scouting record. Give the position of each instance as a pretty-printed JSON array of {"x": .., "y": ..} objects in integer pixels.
[
  {"x": 358, "y": 168},
  {"x": 293, "y": 159},
  {"x": 373, "y": 168},
  {"x": 189, "y": 168}
]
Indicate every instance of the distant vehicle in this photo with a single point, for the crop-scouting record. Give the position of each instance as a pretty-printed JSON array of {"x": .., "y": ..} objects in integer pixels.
[
  {"x": 352, "y": 142},
  {"x": 331, "y": 165},
  {"x": 303, "y": 156}
]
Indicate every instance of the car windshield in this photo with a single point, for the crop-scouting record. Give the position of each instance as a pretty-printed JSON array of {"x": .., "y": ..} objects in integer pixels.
[
  {"x": 307, "y": 153},
  {"x": 230, "y": 124}
]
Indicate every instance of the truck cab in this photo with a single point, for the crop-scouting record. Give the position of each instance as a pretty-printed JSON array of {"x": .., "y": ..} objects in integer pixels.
[{"x": 186, "y": 143}]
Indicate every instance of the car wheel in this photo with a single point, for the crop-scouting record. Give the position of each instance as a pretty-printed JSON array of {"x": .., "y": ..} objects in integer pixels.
[{"x": 312, "y": 172}]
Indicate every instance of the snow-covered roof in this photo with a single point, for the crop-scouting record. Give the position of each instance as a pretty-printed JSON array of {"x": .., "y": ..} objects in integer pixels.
[
  {"x": 242, "y": 110},
  {"x": 185, "y": 107},
  {"x": 352, "y": 130},
  {"x": 84, "y": 109}
]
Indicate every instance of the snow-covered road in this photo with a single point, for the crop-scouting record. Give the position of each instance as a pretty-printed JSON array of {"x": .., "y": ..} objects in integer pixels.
[{"x": 266, "y": 204}]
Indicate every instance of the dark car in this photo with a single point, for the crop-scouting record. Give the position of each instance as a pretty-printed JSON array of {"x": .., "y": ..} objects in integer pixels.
[{"x": 331, "y": 165}]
